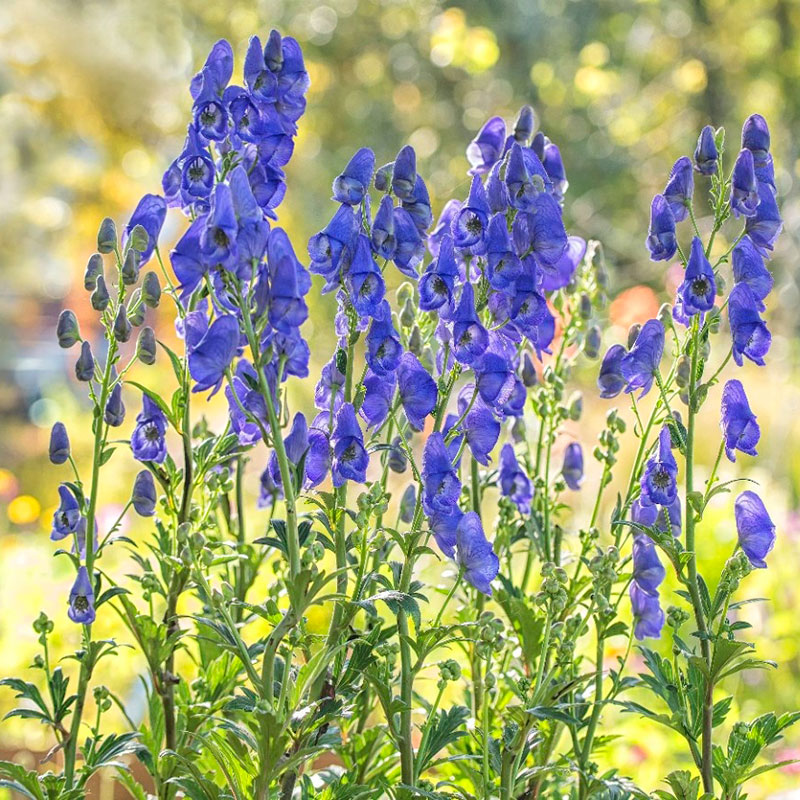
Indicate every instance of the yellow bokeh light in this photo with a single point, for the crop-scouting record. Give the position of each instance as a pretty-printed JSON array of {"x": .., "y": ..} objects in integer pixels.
[
  {"x": 594, "y": 54},
  {"x": 542, "y": 73},
  {"x": 24, "y": 510},
  {"x": 691, "y": 76}
]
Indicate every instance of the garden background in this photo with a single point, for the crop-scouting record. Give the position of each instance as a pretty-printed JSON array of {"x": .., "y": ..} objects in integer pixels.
[{"x": 93, "y": 101}]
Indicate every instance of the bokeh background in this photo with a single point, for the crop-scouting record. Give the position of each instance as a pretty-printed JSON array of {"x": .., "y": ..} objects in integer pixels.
[{"x": 93, "y": 106}]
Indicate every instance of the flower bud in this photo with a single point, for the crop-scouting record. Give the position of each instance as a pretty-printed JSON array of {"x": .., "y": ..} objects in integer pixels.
[
  {"x": 146, "y": 346},
  {"x": 383, "y": 176},
  {"x": 415, "y": 341},
  {"x": 130, "y": 267},
  {"x": 575, "y": 406},
  {"x": 100, "y": 298},
  {"x": 407, "y": 314},
  {"x": 523, "y": 127},
  {"x": 144, "y": 494},
  {"x": 138, "y": 239},
  {"x": 665, "y": 315},
  {"x": 94, "y": 267},
  {"x": 585, "y": 306},
  {"x": 408, "y": 503},
  {"x": 633, "y": 334},
  {"x": 683, "y": 371},
  {"x": 67, "y": 329},
  {"x": 122, "y": 327},
  {"x": 84, "y": 366},
  {"x": 397, "y": 460},
  {"x": 137, "y": 309},
  {"x": 59, "y": 444},
  {"x": 107, "y": 236},
  {"x": 114, "y": 413},
  {"x": 518, "y": 431},
  {"x": 591, "y": 346},
  {"x": 528, "y": 374},
  {"x": 151, "y": 289}
]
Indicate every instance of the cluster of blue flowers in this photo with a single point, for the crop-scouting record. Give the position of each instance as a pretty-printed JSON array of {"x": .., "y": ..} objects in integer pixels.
[{"x": 752, "y": 196}]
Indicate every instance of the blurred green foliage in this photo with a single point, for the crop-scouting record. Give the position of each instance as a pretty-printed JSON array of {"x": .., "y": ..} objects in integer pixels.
[{"x": 93, "y": 106}]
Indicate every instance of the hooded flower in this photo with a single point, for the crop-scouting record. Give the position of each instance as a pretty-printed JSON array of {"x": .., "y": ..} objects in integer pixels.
[
  {"x": 503, "y": 264},
  {"x": 440, "y": 484},
  {"x": 150, "y": 214},
  {"x": 67, "y": 516},
  {"x": 246, "y": 404},
  {"x": 751, "y": 338},
  {"x": 444, "y": 526},
  {"x": 351, "y": 186},
  {"x": 470, "y": 224},
  {"x": 378, "y": 397},
  {"x": 213, "y": 354},
  {"x": 706, "y": 154},
  {"x": 661, "y": 240},
  {"x": 514, "y": 483},
  {"x": 486, "y": 149},
  {"x": 114, "y": 412},
  {"x": 148, "y": 441},
  {"x": 738, "y": 422},
  {"x": 332, "y": 248},
  {"x": 350, "y": 458},
  {"x": 218, "y": 238},
  {"x": 526, "y": 178},
  {"x": 648, "y": 571},
  {"x": 144, "y": 494},
  {"x": 765, "y": 225},
  {"x": 404, "y": 173},
  {"x": 409, "y": 247},
  {"x": 382, "y": 235},
  {"x": 698, "y": 290},
  {"x": 572, "y": 471},
  {"x": 417, "y": 390},
  {"x": 660, "y": 478},
  {"x": 610, "y": 380},
  {"x": 480, "y": 426},
  {"x": 81, "y": 599},
  {"x": 59, "y": 450},
  {"x": 755, "y": 528},
  {"x": 364, "y": 280},
  {"x": 470, "y": 338},
  {"x": 755, "y": 137},
  {"x": 383, "y": 343},
  {"x": 437, "y": 283},
  {"x": 329, "y": 391},
  {"x": 749, "y": 268},
  {"x": 474, "y": 554},
  {"x": 679, "y": 189},
  {"x": 647, "y": 613},
  {"x": 639, "y": 365},
  {"x": 744, "y": 189},
  {"x": 296, "y": 445}
]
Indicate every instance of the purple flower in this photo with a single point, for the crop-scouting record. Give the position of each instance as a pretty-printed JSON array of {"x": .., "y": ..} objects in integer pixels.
[
  {"x": 610, "y": 380},
  {"x": 474, "y": 554},
  {"x": 383, "y": 343},
  {"x": 738, "y": 422},
  {"x": 706, "y": 155},
  {"x": 437, "y": 283},
  {"x": 247, "y": 398},
  {"x": 648, "y": 571},
  {"x": 496, "y": 191},
  {"x": 289, "y": 283},
  {"x": 383, "y": 239},
  {"x": 660, "y": 478},
  {"x": 526, "y": 178},
  {"x": 213, "y": 354},
  {"x": 749, "y": 268},
  {"x": 186, "y": 259},
  {"x": 765, "y": 225},
  {"x": 647, "y": 613},
  {"x": 669, "y": 517},
  {"x": 644, "y": 513},
  {"x": 572, "y": 471},
  {"x": 542, "y": 230},
  {"x": 59, "y": 450},
  {"x": 558, "y": 275},
  {"x": 698, "y": 290},
  {"x": 444, "y": 526},
  {"x": 417, "y": 390},
  {"x": 554, "y": 167},
  {"x": 329, "y": 391},
  {"x": 150, "y": 214},
  {"x": 440, "y": 484},
  {"x": 319, "y": 456},
  {"x": 514, "y": 483},
  {"x": 378, "y": 397},
  {"x": 470, "y": 224},
  {"x": 408, "y": 503},
  {"x": 755, "y": 137},
  {"x": 148, "y": 440},
  {"x": 351, "y": 186},
  {"x": 480, "y": 426},
  {"x": 503, "y": 264},
  {"x": 470, "y": 338},
  {"x": 218, "y": 238},
  {"x": 364, "y": 280},
  {"x": 679, "y": 189},
  {"x": 296, "y": 445},
  {"x": 332, "y": 248},
  {"x": 486, "y": 149},
  {"x": 404, "y": 173},
  {"x": 114, "y": 412},
  {"x": 350, "y": 458},
  {"x": 756, "y": 529},
  {"x": 640, "y": 364},
  {"x": 744, "y": 189},
  {"x": 409, "y": 247},
  {"x": 144, "y": 494},
  {"x": 751, "y": 338},
  {"x": 81, "y": 599},
  {"x": 419, "y": 207},
  {"x": 661, "y": 240},
  {"x": 67, "y": 516}
]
